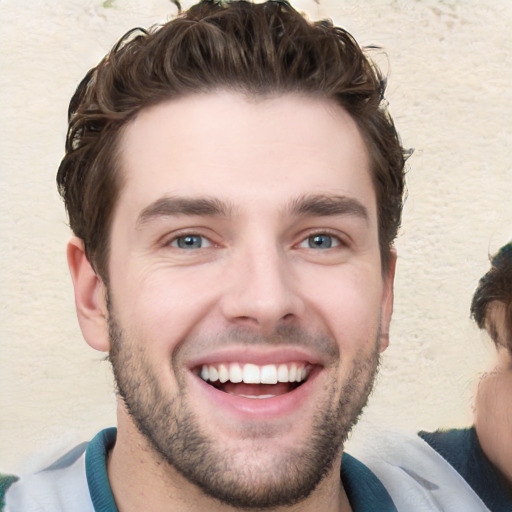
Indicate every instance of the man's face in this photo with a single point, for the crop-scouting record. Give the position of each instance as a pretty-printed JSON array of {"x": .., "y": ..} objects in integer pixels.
[{"x": 246, "y": 296}]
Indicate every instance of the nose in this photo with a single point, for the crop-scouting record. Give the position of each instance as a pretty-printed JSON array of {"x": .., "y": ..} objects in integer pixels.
[{"x": 261, "y": 290}]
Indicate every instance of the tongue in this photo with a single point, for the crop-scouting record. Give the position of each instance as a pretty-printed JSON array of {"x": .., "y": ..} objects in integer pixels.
[{"x": 256, "y": 389}]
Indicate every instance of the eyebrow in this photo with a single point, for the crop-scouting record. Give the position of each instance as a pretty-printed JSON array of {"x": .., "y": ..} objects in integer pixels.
[
  {"x": 328, "y": 205},
  {"x": 319, "y": 205},
  {"x": 175, "y": 206}
]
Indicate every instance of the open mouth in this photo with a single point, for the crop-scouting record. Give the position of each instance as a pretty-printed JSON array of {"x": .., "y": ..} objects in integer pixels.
[{"x": 255, "y": 381}]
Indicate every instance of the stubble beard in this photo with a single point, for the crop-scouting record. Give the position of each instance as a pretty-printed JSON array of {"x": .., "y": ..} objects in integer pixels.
[{"x": 173, "y": 433}]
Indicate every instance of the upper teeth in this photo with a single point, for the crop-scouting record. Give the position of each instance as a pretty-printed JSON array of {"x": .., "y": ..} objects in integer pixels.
[{"x": 254, "y": 374}]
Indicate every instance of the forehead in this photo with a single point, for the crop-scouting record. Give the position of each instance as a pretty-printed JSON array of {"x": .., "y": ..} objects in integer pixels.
[{"x": 247, "y": 151}]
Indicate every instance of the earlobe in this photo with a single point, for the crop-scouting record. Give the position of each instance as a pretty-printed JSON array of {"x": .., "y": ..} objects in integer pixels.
[
  {"x": 90, "y": 297},
  {"x": 387, "y": 300}
]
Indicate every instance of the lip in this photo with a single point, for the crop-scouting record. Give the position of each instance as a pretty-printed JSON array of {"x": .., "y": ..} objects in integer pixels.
[
  {"x": 258, "y": 357},
  {"x": 256, "y": 410}
]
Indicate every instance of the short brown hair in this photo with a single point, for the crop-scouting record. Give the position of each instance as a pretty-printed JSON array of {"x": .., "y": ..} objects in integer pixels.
[
  {"x": 253, "y": 48},
  {"x": 495, "y": 287}
]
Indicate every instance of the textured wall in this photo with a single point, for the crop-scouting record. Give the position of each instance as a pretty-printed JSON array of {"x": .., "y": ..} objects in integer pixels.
[{"x": 449, "y": 65}]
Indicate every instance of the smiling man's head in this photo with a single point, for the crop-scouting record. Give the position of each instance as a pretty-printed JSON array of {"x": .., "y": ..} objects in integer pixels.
[
  {"x": 235, "y": 186},
  {"x": 254, "y": 49}
]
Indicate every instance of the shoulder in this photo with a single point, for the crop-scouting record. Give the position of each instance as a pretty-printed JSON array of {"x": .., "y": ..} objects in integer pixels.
[
  {"x": 462, "y": 450},
  {"x": 451, "y": 442},
  {"x": 59, "y": 487},
  {"x": 416, "y": 476}
]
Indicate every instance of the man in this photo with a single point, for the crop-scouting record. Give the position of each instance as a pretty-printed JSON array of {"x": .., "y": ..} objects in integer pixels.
[
  {"x": 492, "y": 310},
  {"x": 482, "y": 454},
  {"x": 234, "y": 184},
  {"x": 464, "y": 469}
]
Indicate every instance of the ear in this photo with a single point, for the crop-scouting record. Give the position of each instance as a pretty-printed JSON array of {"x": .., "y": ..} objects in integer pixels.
[
  {"x": 387, "y": 300},
  {"x": 90, "y": 297}
]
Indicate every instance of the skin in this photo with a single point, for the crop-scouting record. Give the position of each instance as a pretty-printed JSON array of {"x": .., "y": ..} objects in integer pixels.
[
  {"x": 493, "y": 404},
  {"x": 257, "y": 274}
]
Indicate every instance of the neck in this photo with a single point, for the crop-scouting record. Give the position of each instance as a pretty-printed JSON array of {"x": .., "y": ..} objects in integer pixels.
[{"x": 141, "y": 480}]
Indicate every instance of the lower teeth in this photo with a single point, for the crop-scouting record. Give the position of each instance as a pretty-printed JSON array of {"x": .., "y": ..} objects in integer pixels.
[{"x": 253, "y": 396}]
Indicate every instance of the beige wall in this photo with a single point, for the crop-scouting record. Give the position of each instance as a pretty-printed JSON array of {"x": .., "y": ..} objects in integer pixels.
[{"x": 449, "y": 90}]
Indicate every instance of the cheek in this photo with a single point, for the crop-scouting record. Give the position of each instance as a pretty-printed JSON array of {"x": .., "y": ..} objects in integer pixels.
[
  {"x": 162, "y": 305},
  {"x": 493, "y": 418},
  {"x": 348, "y": 302}
]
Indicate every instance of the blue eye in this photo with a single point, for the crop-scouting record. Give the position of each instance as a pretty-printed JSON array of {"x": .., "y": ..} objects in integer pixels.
[
  {"x": 321, "y": 241},
  {"x": 190, "y": 242}
]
